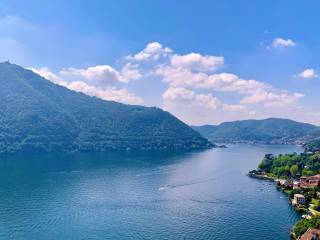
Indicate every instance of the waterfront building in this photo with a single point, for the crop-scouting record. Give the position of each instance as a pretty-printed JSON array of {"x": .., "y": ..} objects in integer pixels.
[
  {"x": 311, "y": 234},
  {"x": 310, "y": 181},
  {"x": 298, "y": 199}
]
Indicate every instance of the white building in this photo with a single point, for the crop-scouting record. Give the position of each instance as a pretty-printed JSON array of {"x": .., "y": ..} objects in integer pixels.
[{"x": 299, "y": 199}]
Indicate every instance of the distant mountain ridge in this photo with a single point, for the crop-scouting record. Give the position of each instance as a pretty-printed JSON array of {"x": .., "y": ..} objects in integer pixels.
[
  {"x": 38, "y": 115},
  {"x": 267, "y": 131}
]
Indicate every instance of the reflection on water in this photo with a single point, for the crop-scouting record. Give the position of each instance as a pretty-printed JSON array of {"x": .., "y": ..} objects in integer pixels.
[{"x": 150, "y": 195}]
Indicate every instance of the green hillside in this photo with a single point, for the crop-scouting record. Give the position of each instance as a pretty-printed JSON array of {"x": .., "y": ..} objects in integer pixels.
[
  {"x": 37, "y": 115},
  {"x": 270, "y": 131}
]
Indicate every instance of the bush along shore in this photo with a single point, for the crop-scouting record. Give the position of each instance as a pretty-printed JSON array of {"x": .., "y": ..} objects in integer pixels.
[{"x": 298, "y": 176}]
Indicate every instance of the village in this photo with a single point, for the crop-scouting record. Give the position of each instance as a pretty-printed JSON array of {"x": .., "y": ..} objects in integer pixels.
[
  {"x": 304, "y": 193},
  {"x": 303, "y": 190},
  {"x": 304, "y": 196}
]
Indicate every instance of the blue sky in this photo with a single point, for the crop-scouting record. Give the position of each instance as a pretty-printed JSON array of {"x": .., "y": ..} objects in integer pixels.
[{"x": 204, "y": 61}]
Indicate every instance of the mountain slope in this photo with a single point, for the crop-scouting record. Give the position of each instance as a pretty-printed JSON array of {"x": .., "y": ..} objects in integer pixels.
[
  {"x": 37, "y": 115},
  {"x": 270, "y": 131}
]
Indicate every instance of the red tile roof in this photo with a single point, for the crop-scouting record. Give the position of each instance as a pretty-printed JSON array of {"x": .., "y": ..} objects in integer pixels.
[{"x": 311, "y": 234}]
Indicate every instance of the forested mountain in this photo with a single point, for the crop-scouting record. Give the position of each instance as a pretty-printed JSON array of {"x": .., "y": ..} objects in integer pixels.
[
  {"x": 270, "y": 131},
  {"x": 37, "y": 115}
]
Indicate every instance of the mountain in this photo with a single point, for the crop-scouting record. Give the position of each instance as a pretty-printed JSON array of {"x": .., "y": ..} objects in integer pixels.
[
  {"x": 38, "y": 115},
  {"x": 268, "y": 131}
]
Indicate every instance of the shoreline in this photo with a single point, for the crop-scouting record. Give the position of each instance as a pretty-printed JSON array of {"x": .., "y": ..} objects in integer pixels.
[
  {"x": 261, "y": 176},
  {"x": 265, "y": 177}
]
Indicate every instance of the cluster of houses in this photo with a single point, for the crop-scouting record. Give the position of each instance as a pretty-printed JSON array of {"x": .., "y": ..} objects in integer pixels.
[
  {"x": 304, "y": 182},
  {"x": 300, "y": 200}
]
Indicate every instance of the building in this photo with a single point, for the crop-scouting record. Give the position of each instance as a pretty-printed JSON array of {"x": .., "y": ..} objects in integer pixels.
[
  {"x": 296, "y": 185},
  {"x": 284, "y": 183},
  {"x": 298, "y": 199},
  {"x": 310, "y": 181},
  {"x": 310, "y": 178},
  {"x": 311, "y": 234}
]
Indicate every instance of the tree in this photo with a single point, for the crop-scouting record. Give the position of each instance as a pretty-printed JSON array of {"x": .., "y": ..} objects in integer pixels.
[{"x": 294, "y": 170}]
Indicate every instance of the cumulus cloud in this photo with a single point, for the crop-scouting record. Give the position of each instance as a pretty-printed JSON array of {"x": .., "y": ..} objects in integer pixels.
[
  {"x": 110, "y": 93},
  {"x": 180, "y": 95},
  {"x": 173, "y": 94},
  {"x": 104, "y": 75},
  {"x": 107, "y": 93},
  {"x": 153, "y": 51},
  {"x": 281, "y": 42},
  {"x": 272, "y": 99},
  {"x": 193, "y": 82},
  {"x": 130, "y": 72},
  {"x": 47, "y": 74},
  {"x": 194, "y": 70},
  {"x": 193, "y": 79},
  {"x": 202, "y": 108},
  {"x": 197, "y": 62},
  {"x": 184, "y": 77},
  {"x": 101, "y": 75},
  {"x": 308, "y": 73}
]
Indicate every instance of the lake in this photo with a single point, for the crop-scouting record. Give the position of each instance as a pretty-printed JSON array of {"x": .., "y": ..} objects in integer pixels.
[{"x": 154, "y": 195}]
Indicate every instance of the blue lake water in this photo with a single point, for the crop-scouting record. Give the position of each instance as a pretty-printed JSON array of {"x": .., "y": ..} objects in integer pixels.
[{"x": 199, "y": 195}]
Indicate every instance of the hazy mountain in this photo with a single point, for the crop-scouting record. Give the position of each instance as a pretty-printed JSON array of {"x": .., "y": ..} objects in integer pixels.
[
  {"x": 270, "y": 131},
  {"x": 36, "y": 114}
]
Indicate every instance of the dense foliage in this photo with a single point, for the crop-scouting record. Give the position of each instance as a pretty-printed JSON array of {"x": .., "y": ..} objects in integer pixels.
[
  {"x": 36, "y": 114},
  {"x": 270, "y": 131},
  {"x": 291, "y": 165},
  {"x": 303, "y": 225}
]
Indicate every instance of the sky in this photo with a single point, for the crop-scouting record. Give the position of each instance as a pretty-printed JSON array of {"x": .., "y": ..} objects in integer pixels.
[{"x": 206, "y": 62}]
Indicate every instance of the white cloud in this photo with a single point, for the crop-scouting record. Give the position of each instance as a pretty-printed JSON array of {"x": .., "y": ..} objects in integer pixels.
[
  {"x": 175, "y": 95},
  {"x": 272, "y": 98},
  {"x": 104, "y": 75},
  {"x": 308, "y": 73},
  {"x": 198, "y": 108},
  {"x": 101, "y": 75},
  {"x": 191, "y": 76},
  {"x": 130, "y": 72},
  {"x": 108, "y": 93},
  {"x": 192, "y": 80},
  {"x": 153, "y": 51},
  {"x": 184, "y": 77},
  {"x": 197, "y": 62},
  {"x": 47, "y": 74},
  {"x": 281, "y": 42},
  {"x": 208, "y": 100}
]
